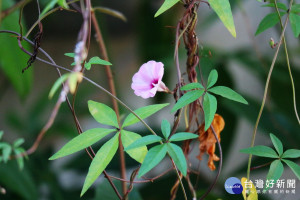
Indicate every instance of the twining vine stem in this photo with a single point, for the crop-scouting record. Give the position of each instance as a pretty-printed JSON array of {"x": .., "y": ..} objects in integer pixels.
[
  {"x": 266, "y": 89},
  {"x": 288, "y": 64}
]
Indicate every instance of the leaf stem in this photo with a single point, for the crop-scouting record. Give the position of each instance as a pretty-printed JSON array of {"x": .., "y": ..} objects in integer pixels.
[
  {"x": 260, "y": 166},
  {"x": 179, "y": 178}
]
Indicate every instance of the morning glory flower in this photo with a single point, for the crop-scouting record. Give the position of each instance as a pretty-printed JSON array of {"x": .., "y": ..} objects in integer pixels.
[{"x": 148, "y": 80}]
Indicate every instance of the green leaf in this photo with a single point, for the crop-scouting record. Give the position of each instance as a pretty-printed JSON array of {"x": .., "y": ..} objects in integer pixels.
[
  {"x": 279, "y": 5},
  {"x": 48, "y": 7},
  {"x": 212, "y": 78},
  {"x": 291, "y": 153},
  {"x": 1, "y": 134},
  {"x": 149, "y": 139},
  {"x": 165, "y": 128},
  {"x": 210, "y": 108},
  {"x": 18, "y": 142},
  {"x": 12, "y": 58},
  {"x": 223, "y": 10},
  {"x": 72, "y": 55},
  {"x": 153, "y": 157},
  {"x": 277, "y": 144},
  {"x": 294, "y": 167},
  {"x": 100, "y": 161},
  {"x": 143, "y": 113},
  {"x": 6, "y": 151},
  {"x": 58, "y": 83},
  {"x": 63, "y": 4},
  {"x": 187, "y": 98},
  {"x": 262, "y": 151},
  {"x": 295, "y": 8},
  {"x": 128, "y": 138},
  {"x": 178, "y": 157},
  {"x": 103, "y": 114},
  {"x": 20, "y": 159},
  {"x": 82, "y": 141},
  {"x": 228, "y": 93},
  {"x": 96, "y": 60},
  {"x": 295, "y": 24},
  {"x": 268, "y": 21},
  {"x": 191, "y": 86},
  {"x": 166, "y": 6},
  {"x": 19, "y": 183},
  {"x": 275, "y": 172},
  {"x": 183, "y": 136}
]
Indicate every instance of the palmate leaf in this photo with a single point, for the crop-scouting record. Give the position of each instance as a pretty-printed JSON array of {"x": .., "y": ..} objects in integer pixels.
[
  {"x": 295, "y": 24},
  {"x": 178, "y": 157},
  {"x": 149, "y": 139},
  {"x": 19, "y": 158},
  {"x": 82, "y": 141},
  {"x": 128, "y": 138},
  {"x": 18, "y": 142},
  {"x": 153, "y": 157},
  {"x": 212, "y": 78},
  {"x": 183, "y": 136},
  {"x": 165, "y": 128},
  {"x": 275, "y": 172},
  {"x": 295, "y": 8},
  {"x": 210, "y": 108},
  {"x": 165, "y": 6},
  {"x": 103, "y": 114},
  {"x": 268, "y": 21},
  {"x": 262, "y": 151},
  {"x": 187, "y": 98},
  {"x": 291, "y": 153},
  {"x": 223, "y": 10},
  {"x": 143, "y": 113},
  {"x": 6, "y": 151},
  {"x": 277, "y": 144},
  {"x": 294, "y": 167},
  {"x": 100, "y": 161},
  {"x": 228, "y": 93},
  {"x": 191, "y": 86}
]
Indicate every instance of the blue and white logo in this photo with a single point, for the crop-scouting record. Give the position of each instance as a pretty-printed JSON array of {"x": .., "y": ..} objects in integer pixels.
[{"x": 233, "y": 186}]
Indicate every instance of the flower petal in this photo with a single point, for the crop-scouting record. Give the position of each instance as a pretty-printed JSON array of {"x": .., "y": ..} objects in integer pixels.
[{"x": 147, "y": 80}]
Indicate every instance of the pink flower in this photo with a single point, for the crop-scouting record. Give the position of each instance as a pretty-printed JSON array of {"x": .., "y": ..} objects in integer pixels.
[{"x": 147, "y": 81}]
